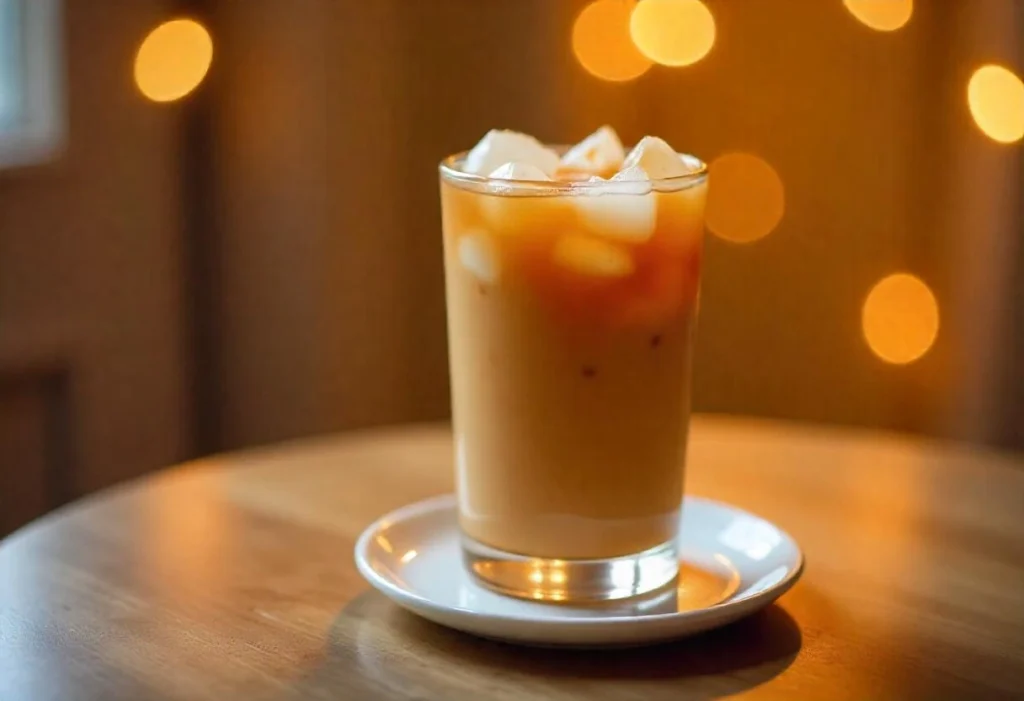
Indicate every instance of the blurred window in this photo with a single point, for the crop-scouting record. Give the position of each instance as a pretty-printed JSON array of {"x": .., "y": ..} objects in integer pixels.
[
  {"x": 31, "y": 104},
  {"x": 10, "y": 65}
]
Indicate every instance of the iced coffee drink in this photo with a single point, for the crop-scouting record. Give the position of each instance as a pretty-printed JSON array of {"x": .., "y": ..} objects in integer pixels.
[{"x": 572, "y": 279}]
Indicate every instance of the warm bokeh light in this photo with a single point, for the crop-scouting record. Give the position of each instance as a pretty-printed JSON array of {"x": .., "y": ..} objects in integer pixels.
[
  {"x": 746, "y": 198},
  {"x": 672, "y": 32},
  {"x": 996, "y": 98},
  {"x": 900, "y": 318},
  {"x": 601, "y": 42},
  {"x": 173, "y": 60},
  {"x": 883, "y": 15}
]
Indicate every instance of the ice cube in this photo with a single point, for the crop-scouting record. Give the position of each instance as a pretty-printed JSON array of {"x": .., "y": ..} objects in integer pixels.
[
  {"x": 594, "y": 257},
  {"x": 479, "y": 257},
  {"x": 636, "y": 175},
  {"x": 516, "y": 170},
  {"x": 657, "y": 158},
  {"x": 625, "y": 210},
  {"x": 525, "y": 216},
  {"x": 502, "y": 146},
  {"x": 601, "y": 152}
]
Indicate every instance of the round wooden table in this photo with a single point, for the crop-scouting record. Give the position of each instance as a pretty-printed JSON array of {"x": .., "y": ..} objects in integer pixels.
[{"x": 232, "y": 578}]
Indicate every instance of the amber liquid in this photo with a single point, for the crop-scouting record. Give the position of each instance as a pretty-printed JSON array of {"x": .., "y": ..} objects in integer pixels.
[{"x": 570, "y": 371}]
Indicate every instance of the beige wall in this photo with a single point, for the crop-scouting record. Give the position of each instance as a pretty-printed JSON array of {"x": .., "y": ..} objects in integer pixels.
[{"x": 90, "y": 278}]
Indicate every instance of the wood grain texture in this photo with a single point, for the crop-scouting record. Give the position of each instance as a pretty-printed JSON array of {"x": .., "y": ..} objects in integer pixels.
[{"x": 233, "y": 578}]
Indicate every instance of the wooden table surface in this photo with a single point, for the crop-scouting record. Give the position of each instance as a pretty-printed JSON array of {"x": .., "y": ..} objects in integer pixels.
[{"x": 232, "y": 578}]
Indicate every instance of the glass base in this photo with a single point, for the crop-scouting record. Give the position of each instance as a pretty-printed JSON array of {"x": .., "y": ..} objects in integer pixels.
[{"x": 572, "y": 581}]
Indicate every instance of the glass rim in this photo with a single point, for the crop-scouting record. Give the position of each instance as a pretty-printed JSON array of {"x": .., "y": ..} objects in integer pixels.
[{"x": 450, "y": 172}]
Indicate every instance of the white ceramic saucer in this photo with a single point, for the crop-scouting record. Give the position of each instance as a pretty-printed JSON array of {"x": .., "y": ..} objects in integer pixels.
[{"x": 732, "y": 563}]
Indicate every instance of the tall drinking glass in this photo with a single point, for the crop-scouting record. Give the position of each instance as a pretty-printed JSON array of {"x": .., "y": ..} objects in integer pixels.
[{"x": 571, "y": 309}]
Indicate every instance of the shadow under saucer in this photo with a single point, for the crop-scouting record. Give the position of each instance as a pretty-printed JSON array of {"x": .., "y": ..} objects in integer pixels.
[{"x": 377, "y": 650}]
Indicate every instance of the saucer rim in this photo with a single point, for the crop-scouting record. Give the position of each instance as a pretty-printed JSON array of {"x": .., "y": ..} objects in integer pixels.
[{"x": 449, "y": 500}]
